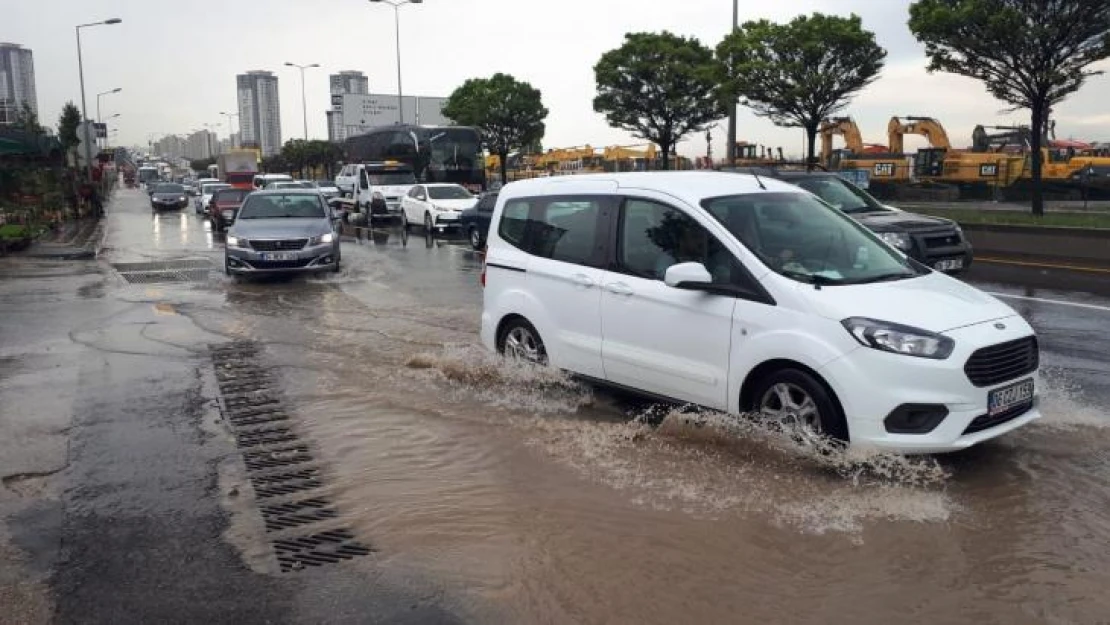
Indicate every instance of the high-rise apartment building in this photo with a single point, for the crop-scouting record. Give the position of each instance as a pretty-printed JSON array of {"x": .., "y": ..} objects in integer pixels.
[
  {"x": 343, "y": 83},
  {"x": 17, "y": 82},
  {"x": 259, "y": 111}
]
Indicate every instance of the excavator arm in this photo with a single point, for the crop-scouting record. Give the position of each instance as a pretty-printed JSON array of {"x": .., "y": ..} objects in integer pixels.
[
  {"x": 845, "y": 127},
  {"x": 926, "y": 127}
]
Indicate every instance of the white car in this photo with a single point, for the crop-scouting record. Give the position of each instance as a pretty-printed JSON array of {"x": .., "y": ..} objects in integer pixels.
[
  {"x": 751, "y": 296},
  {"x": 198, "y": 189},
  {"x": 346, "y": 180},
  {"x": 207, "y": 190},
  {"x": 435, "y": 206}
]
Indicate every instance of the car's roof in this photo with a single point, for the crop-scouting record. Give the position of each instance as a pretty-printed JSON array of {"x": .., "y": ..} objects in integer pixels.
[
  {"x": 691, "y": 186},
  {"x": 440, "y": 184},
  {"x": 290, "y": 191}
]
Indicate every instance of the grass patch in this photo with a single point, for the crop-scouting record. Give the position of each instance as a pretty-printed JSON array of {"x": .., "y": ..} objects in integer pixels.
[
  {"x": 14, "y": 231},
  {"x": 1018, "y": 218}
]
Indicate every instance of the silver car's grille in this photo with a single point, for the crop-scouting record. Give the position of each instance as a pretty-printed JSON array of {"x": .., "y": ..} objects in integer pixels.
[{"x": 277, "y": 245}]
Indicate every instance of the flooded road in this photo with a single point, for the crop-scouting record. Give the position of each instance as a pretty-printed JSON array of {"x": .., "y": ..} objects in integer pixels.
[{"x": 533, "y": 499}]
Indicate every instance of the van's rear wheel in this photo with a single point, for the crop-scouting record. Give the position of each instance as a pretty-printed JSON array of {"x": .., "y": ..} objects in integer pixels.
[
  {"x": 520, "y": 341},
  {"x": 794, "y": 397}
]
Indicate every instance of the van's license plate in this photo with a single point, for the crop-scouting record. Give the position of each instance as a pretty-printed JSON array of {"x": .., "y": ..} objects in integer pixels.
[
  {"x": 1002, "y": 399},
  {"x": 950, "y": 264},
  {"x": 279, "y": 256}
]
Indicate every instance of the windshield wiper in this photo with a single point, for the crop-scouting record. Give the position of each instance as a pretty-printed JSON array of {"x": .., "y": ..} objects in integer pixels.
[
  {"x": 816, "y": 280},
  {"x": 885, "y": 277}
]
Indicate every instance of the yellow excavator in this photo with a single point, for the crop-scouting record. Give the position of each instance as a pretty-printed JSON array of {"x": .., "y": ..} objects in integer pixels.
[
  {"x": 883, "y": 164},
  {"x": 636, "y": 157},
  {"x": 926, "y": 127}
]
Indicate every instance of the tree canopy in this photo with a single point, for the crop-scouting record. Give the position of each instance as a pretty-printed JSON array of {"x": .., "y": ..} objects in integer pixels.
[
  {"x": 1028, "y": 53},
  {"x": 299, "y": 154},
  {"x": 509, "y": 113},
  {"x": 658, "y": 86},
  {"x": 799, "y": 73},
  {"x": 68, "y": 122}
]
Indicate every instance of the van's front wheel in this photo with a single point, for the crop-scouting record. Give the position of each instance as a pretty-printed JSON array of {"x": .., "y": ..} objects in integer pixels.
[
  {"x": 520, "y": 341},
  {"x": 795, "y": 398}
]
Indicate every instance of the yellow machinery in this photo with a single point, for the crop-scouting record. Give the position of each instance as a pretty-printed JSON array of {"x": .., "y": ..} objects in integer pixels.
[
  {"x": 753, "y": 155},
  {"x": 883, "y": 166},
  {"x": 927, "y": 127},
  {"x": 637, "y": 157}
]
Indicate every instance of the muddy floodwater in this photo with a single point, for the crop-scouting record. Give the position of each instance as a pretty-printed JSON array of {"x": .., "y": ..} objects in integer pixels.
[{"x": 534, "y": 499}]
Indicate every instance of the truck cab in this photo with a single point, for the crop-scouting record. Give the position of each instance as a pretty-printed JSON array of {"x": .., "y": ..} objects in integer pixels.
[{"x": 379, "y": 187}]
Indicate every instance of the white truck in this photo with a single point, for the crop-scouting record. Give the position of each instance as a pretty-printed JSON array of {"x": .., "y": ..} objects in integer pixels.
[{"x": 378, "y": 188}]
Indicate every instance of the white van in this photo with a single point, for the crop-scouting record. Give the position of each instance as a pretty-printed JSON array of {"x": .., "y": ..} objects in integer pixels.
[{"x": 750, "y": 295}]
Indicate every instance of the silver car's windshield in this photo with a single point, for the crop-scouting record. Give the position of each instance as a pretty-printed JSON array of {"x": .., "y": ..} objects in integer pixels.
[
  {"x": 805, "y": 239},
  {"x": 299, "y": 206},
  {"x": 449, "y": 193},
  {"x": 209, "y": 189}
]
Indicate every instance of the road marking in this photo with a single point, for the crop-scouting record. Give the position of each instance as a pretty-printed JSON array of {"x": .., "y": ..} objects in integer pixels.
[
  {"x": 1003, "y": 261},
  {"x": 1051, "y": 301}
]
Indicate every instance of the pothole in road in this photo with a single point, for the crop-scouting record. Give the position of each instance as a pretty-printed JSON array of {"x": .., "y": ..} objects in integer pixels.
[
  {"x": 279, "y": 464},
  {"x": 195, "y": 270}
]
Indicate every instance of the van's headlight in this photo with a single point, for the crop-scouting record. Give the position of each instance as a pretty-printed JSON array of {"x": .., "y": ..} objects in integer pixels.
[
  {"x": 899, "y": 339},
  {"x": 236, "y": 242},
  {"x": 323, "y": 238},
  {"x": 900, "y": 240}
]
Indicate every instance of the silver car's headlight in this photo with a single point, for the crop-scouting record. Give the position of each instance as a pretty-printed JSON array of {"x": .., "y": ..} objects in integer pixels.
[
  {"x": 899, "y": 339},
  {"x": 323, "y": 238},
  {"x": 900, "y": 240},
  {"x": 236, "y": 242}
]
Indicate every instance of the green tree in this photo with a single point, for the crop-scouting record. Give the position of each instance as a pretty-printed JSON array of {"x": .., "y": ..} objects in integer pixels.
[
  {"x": 68, "y": 123},
  {"x": 28, "y": 121},
  {"x": 799, "y": 73},
  {"x": 509, "y": 113},
  {"x": 1029, "y": 53},
  {"x": 658, "y": 86},
  {"x": 295, "y": 153}
]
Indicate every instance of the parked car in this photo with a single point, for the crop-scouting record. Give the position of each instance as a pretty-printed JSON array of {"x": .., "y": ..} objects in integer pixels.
[
  {"x": 207, "y": 190},
  {"x": 282, "y": 231},
  {"x": 436, "y": 206},
  {"x": 224, "y": 205},
  {"x": 346, "y": 180},
  {"x": 168, "y": 195},
  {"x": 934, "y": 241},
  {"x": 754, "y": 297},
  {"x": 261, "y": 180},
  {"x": 474, "y": 221}
]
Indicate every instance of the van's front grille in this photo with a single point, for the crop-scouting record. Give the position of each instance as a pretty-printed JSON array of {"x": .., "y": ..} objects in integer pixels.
[
  {"x": 1005, "y": 361},
  {"x": 277, "y": 245}
]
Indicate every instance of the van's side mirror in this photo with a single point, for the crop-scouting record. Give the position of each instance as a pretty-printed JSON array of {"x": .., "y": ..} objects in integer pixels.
[{"x": 687, "y": 276}]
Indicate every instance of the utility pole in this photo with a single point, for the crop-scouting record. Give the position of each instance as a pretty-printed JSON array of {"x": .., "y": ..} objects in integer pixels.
[{"x": 730, "y": 152}]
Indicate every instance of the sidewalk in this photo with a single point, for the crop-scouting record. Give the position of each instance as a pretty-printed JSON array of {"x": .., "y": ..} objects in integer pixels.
[{"x": 76, "y": 240}]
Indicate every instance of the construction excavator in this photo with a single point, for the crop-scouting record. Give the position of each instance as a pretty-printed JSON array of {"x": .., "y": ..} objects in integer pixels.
[
  {"x": 884, "y": 165},
  {"x": 752, "y": 154},
  {"x": 926, "y": 127},
  {"x": 976, "y": 167},
  {"x": 637, "y": 157}
]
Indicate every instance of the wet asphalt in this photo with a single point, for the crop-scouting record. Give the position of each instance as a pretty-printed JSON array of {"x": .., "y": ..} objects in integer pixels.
[{"x": 120, "y": 480}]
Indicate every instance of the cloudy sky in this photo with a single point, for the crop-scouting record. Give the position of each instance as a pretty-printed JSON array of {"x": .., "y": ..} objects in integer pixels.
[{"x": 176, "y": 60}]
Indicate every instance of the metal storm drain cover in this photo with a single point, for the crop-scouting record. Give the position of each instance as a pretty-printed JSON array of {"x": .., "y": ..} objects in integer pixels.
[
  {"x": 281, "y": 467},
  {"x": 164, "y": 271}
]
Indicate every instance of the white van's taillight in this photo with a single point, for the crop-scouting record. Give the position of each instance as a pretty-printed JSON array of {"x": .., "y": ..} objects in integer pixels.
[{"x": 483, "y": 278}]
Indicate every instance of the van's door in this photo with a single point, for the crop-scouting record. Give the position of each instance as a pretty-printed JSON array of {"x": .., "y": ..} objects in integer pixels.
[
  {"x": 565, "y": 240},
  {"x": 660, "y": 339}
]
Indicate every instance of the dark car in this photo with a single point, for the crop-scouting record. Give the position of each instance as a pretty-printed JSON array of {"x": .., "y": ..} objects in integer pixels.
[
  {"x": 934, "y": 241},
  {"x": 223, "y": 207},
  {"x": 168, "y": 195},
  {"x": 475, "y": 221}
]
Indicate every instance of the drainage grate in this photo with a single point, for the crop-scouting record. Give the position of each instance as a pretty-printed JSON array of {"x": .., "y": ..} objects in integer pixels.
[
  {"x": 316, "y": 549},
  {"x": 279, "y": 463},
  {"x": 283, "y": 516},
  {"x": 165, "y": 271}
]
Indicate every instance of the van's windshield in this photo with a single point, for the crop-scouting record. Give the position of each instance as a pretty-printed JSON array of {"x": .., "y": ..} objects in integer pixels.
[{"x": 805, "y": 239}]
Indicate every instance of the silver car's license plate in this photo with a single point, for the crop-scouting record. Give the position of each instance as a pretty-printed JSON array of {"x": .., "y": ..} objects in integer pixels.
[
  {"x": 1002, "y": 399},
  {"x": 950, "y": 264},
  {"x": 279, "y": 256}
]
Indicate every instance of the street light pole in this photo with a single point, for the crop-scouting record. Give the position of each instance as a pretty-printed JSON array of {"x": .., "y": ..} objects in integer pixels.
[
  {"x": 230, "y": 134},
  {"x": 84, "y": 105},
  {"x": 730, "y": 152},
  {"x": 104, "y": 93},
  {"x": 304, "y": 107},
  {"x": 397, "y": 24}
]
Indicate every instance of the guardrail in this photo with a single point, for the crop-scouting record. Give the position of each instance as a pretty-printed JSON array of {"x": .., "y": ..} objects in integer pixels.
[{"x": 1088, "y": 246}]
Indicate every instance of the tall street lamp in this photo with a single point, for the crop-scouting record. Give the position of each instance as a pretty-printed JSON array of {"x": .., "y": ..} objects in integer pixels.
[
  {"x": 99, "y": 95},
  {"x": 304, "y": 109},
  {"x": 230, "y": 135},
  {"x": 397, "y": 4},
  {"x": 730, "y": 152},
  {"x": 84, "y": 107}
]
